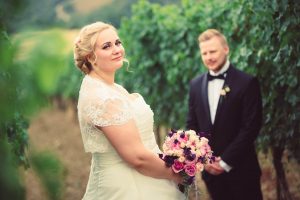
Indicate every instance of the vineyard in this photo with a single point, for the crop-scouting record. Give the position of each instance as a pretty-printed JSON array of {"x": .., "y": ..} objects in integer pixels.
[{"x": 40, "y": 144}]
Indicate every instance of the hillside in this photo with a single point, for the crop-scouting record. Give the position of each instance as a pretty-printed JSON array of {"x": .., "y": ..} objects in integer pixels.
[{"x": 86, "y": 6}]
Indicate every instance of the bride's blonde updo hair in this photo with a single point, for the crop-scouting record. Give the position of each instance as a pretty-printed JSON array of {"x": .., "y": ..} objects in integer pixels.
[{"x": 85, "y": 42}]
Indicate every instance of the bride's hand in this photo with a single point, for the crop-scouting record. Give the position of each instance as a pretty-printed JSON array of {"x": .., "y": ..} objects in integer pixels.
[{"x": 178, "y": 179}]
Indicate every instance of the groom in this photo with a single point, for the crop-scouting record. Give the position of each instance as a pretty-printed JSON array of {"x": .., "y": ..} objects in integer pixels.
[{"x": 226, "y": 103}]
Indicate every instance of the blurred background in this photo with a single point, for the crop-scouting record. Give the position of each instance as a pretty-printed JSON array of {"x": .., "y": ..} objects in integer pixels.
[{"x": 41, "y": 151}]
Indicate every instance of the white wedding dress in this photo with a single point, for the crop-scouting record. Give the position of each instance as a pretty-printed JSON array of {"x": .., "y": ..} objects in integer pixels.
[{"x": 110, "y": 177}]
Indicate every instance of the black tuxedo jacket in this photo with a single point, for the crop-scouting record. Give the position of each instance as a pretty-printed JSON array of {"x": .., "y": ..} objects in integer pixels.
[{"x": 237, "y": 121}]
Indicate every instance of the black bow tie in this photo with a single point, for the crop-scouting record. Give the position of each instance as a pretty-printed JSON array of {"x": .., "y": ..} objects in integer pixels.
[{"x": 211, "y": 77}]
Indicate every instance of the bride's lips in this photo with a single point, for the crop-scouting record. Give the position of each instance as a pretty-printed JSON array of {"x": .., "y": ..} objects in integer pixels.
[{"x": 118, "y": 58}]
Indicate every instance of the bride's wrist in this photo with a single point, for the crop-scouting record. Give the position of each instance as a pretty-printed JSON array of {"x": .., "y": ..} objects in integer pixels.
[{"x": 177, "y": 178}]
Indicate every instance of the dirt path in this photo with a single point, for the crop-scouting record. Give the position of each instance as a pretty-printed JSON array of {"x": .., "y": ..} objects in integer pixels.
[{"x": 58, "y": 131}]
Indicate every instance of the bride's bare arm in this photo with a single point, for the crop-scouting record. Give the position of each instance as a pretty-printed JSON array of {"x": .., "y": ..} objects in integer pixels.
[{"x": 127, "y": 142}]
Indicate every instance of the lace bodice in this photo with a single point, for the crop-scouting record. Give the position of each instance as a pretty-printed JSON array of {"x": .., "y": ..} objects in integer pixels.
[{"x": 100, "y": 104}]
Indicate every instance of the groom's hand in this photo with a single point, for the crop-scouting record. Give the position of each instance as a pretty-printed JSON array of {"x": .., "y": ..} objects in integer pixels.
[{"x": 214, "y": 168}]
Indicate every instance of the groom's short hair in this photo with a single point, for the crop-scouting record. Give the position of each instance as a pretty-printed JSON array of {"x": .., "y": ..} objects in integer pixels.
[{"x": 210, "y": 33}]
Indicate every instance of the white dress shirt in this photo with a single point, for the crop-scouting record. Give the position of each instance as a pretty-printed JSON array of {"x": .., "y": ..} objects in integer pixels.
[{"x": 214, "y": 89}]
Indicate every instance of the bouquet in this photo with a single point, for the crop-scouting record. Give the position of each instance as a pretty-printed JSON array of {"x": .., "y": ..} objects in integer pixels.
[{"x": 186, "y": 152}]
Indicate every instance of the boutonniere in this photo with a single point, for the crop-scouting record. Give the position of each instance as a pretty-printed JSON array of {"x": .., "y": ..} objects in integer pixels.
[{"x": 225, "y": 90}]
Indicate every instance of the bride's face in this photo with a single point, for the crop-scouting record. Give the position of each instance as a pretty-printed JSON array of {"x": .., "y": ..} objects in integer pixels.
[{"x": 109, "y": 51}]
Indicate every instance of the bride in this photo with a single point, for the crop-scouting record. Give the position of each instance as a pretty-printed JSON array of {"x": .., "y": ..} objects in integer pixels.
[{"x": 116, "y": 126}]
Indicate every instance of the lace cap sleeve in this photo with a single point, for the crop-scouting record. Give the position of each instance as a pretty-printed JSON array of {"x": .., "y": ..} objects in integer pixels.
[{"x": 107, "y": 112}]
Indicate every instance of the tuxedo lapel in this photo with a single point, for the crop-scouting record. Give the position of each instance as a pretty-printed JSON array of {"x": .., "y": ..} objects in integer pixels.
[
  {"x": 222, "y": 99},
  {"x": 204, "y": 95}
]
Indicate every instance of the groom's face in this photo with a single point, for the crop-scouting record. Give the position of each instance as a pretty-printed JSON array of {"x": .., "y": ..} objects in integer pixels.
[{"x": 213, "y": 53}]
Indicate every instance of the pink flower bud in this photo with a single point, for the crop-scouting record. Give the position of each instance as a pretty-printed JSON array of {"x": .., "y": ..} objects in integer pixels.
[
  {"x": 190, "y": 170},
  {"x": 177, "y": 166}
]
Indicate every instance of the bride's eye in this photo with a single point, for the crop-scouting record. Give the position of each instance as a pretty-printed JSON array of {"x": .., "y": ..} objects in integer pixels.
[
  {"x": 118, "y": 43},
  {"x": 106, "y": 46}
]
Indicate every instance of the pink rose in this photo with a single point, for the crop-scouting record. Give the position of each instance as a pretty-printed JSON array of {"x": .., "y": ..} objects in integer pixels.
[
  {"x": 177, "y": 166},
  {"x": 190, "y": 170}
]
